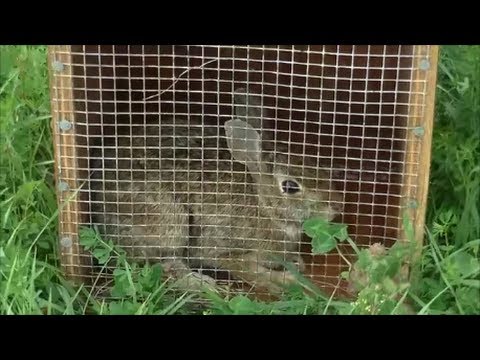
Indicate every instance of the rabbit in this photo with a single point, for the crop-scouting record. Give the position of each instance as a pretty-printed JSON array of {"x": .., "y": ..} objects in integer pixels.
[{"x": 193, "y": 196}]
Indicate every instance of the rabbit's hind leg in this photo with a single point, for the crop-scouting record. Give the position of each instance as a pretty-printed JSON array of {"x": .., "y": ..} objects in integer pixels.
[
  {"x": 161, "y": 228},
  {"x": 250, "y": 267}
]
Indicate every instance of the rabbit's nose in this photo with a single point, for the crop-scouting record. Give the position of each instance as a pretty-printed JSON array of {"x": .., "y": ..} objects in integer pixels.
[
  {"x": 336, "y": 206},
  {"x": 335, "y": 201}
]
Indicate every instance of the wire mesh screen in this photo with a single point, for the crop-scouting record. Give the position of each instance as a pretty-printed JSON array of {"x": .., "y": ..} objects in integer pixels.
[{"x": 209, "y": 158}]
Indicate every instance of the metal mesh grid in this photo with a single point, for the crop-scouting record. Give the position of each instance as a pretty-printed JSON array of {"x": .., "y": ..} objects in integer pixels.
[{"x": 349, "y": 110}]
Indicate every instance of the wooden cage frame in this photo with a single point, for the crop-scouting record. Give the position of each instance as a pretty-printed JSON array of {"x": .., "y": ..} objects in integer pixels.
[{"x": 418, "y": 152}]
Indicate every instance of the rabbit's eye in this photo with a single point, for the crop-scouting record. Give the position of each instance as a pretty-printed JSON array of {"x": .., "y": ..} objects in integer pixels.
[{"x": 290, "y": 187}]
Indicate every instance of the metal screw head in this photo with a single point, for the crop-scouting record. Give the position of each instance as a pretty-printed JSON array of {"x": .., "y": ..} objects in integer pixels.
[
  {"x": 58, "y": 66},
  {"x": 424, "y": 64},
  {"x": 419, "y": 131},
  {"x": 63, "y": 186},
  {"x": 66, "y": 242},
  {"x": 64, "y": 125},
  {"x": 412, "y": 204}
]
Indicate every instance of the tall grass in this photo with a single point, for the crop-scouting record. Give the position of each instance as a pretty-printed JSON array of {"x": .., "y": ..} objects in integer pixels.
[
  {"x": 29, "y": 276},
  {"x": 450, "y": 282}
]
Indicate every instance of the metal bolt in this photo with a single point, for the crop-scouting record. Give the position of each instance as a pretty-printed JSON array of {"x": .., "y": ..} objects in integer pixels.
[
  {"x": 424, "y": 64},
  {"x": 64, "y": 125},
  {"x": 412, "y": 204},
  {"x": 57, "y": 66},
  {"x": 66, "y": 242},
  {"x": 419, "y": 131},
  {"x": 63, "y": 186}
]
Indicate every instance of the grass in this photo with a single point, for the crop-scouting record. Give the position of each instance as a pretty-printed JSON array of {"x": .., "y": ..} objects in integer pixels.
[{"x": 448, "y": 277}]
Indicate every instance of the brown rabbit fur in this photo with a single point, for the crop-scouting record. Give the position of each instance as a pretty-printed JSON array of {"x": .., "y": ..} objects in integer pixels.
[{"x": 195, "y": 196}]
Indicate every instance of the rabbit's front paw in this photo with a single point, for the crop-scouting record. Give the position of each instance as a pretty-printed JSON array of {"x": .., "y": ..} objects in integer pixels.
[
  {"x": 283, "y": 277},
  {"x": 278, "y": 280},
  {"x": 298, "y": 262},
  {"x": 279, "y": 265}
]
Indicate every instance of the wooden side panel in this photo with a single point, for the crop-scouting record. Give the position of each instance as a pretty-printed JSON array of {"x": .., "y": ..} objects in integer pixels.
[
  {"x": 75, "y": 264},
  {"x": 419, "y": 140}
]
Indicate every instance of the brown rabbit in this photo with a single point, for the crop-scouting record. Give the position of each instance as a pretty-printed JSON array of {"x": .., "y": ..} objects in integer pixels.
[{"x": 193, "y": 196}]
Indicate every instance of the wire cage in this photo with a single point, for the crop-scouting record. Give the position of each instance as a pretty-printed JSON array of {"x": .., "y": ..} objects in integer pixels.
[{"x": 351, "y": 123}]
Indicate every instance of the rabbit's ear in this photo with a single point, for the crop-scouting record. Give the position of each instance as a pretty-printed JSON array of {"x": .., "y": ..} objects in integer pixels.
[
  {"x": 244, "y": 143},
  {"x": 247, "y": 106}
]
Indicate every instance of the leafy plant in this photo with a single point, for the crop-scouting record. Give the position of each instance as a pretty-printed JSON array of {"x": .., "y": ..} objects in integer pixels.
[
  {"x": 378, "y": 275},
  {"x": 140, "y": 289},
  {"x": 325, "y": 235}
]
